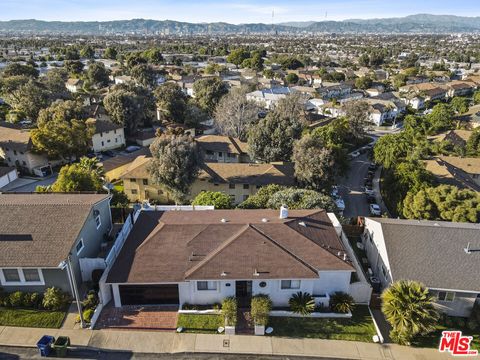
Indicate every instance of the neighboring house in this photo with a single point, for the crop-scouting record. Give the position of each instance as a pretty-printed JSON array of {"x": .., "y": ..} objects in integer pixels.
[
  {"x": 216, "y": 148},
  {"x": 268, "y": 98},
  {"x": 427, "y": 91},
  {"x": 16, "y": 149},
  {"x": 40, "y": 231},
  {"x": 460, "y": 88},
  {"x": 144, "y": 137},
  {"x": 336, "y": 91},
  {"x": 202, "y": 257},
  {"x": 238, "y": 180},
  {"x": 461, "y": 172},
  {"x": 458, "y": 138},
  {"x": 436, "y": 253},
  {"x": 7, "y": 175},
  {"x": 74, "y": 85},
  {"x": 108, "y": 135},
  {"x": 123, "y": 79}
]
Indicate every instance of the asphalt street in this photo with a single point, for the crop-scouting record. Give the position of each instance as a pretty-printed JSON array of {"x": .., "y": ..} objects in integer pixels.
[
  {"x": 351, "y": 188},
  {"x": 17, "y": 353}
]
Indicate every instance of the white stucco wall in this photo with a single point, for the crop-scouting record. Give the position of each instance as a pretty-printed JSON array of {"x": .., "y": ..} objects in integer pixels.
[
  {"x": 108, "y": 140},
  {"x": 8, "y": 178}
]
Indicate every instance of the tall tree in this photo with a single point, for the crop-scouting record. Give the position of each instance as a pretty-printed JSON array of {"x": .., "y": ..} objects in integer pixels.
[
  {"x": 357, "y": 113},
  {"x": 208, "y": 93},
  {"x": 62, "y": 131},
  {"x": 314, "y": 163},
  {"x": 97, "y": 74},
  {"x": 175, "y": 164},
  {"x": 29, "y": 99},
  {"x": 234, "y": 114},
  {"x": 237, "y": 56},
  {"x": 272, "y": 138},
  {"x": 408, "y": 307},
  {"x": 441, "y": 118},
  {"x": 82, "y": 176},
  {"x": 144, "y": 74},
  {"x": 111, "y": 53},
  {"x": 16, "y": 69},
  {"x": 473, "y": 143},
  {"x": 172, "y": 101}
]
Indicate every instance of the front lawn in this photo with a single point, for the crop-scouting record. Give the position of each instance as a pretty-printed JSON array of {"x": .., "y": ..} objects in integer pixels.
[
  {"x": 358, "y": 328},
  {"x": 31, "y": 318},
  {"x": 432, "y": 340},
  {"x": 200, "y": 323}
]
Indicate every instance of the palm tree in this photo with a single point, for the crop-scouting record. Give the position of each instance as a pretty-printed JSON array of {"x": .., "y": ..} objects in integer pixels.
[
  {"x": 408, "y": 307},
  {"x": 302, "y": 303}
]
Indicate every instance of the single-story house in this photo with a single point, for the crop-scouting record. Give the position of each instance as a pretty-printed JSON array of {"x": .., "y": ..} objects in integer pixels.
[
  {"x": 201, "y": 257},
  {"x": 444, "y": 256},
  {"x": 40, "y": 231}
]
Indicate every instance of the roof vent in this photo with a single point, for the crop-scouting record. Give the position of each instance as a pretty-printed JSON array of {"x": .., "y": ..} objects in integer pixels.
[
  {"x": 264, "y": 220},
  {"x": 345, "y": 257},
  {"x": 302, "y": 223},
  {"x": 224, "y": 220},
  {"x": 256, "y": 273},
  {"x": 223, "y": 274},
  {"x": 284, "y": 212}
]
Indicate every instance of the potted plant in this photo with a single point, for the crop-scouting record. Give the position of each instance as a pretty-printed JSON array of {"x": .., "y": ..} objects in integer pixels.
[
  {"x": 302, "y": 303},
  {"x": 260, "y": 309},
  {"x": 229, "y": 311}
]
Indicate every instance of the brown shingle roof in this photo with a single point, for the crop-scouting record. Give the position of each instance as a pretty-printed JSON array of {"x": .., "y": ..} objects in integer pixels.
[
  {"x": 175, "y": 246},
  {"x": 39, "y": 230},
  {"x": 14, "y": 137},
  {"x": 226, "y": 144}
]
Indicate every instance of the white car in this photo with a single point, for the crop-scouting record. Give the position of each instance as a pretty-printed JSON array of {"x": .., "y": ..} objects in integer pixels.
[
  {"x": 369, "y": 191},
  {"x": 375, "y": 210},
  {"x": 340, "y": 204},
  {"x": 355, "y": 154}
]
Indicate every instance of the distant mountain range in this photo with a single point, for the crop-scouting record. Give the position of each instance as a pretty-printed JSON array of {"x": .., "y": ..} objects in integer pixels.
[{"x": 414, "y": 24}]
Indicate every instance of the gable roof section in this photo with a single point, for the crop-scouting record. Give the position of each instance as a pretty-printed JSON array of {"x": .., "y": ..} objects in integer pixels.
[
  {"x": 433, "y": 252},
  {"x": 175, "y": 246},
  {"x": 14, "y": 137},
  {"x": 39, "y": 230},
  {"x": 226, "y": 144}
]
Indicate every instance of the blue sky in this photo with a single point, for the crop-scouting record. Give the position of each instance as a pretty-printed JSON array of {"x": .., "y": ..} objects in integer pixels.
[{"x": 228, "y": 11}]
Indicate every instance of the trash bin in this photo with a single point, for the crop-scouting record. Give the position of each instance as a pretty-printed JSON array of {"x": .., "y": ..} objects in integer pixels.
[
  {"x": 45, "y": 345},
  {"x": 61, "y": 346}
]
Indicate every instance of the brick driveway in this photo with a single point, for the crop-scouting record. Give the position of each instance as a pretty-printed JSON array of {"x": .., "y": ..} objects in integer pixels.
[{"x": 138, "y": 317}]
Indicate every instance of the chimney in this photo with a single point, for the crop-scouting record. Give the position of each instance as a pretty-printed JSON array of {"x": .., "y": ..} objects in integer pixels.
[{"x": 284, "y": 212}]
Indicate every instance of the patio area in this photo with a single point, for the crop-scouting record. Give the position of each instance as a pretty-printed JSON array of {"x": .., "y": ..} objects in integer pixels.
[{"x": 162, "y": 318}]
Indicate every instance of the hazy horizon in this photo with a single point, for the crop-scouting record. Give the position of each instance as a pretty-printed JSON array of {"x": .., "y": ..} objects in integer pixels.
[{"x": 236, "y": 12}]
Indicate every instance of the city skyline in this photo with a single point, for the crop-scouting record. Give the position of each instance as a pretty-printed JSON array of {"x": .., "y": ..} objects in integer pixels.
[{"x": 232, "y": 12}]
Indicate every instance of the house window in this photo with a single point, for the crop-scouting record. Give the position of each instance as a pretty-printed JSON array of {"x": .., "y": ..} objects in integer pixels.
[
  {"x": 209, "y": 152},
  {"x": 24, "y": 163},
  {"x": 206, "y": 285},
  {"x": 290, "y": 284},
  {"x": 447, "y": 296},
  {"x": 134, "y": 191},
  {"x": 133, "y": 180},
  {"x": 145, "y": 181},
  {"x": 14, "y": 152},
  {"x": 108, "y": 140},
  {"x": 220, "y": 154},
  {"x": 230, "y": 155},
  {"x": 98, "y": 222},
  {"x": 103, "y": 143},
  {"x": 115, "y": 131},
  {"x": 231, "y": 186},
  {"x": 215, "y": 184},
  {"x": 246, "y": 186},
  {"x": 31, "y": 275},
  {"x": 384, "y": 272},
  {"x": 79, "y": 246},
  {"x": 11, "y": 275}
]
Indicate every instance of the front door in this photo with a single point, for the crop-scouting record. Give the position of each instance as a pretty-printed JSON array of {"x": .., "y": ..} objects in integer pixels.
[{"x": 243, "y": 292}]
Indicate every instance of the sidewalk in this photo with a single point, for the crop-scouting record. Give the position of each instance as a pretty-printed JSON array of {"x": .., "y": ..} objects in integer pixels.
[{"x": 170, "y": 342}]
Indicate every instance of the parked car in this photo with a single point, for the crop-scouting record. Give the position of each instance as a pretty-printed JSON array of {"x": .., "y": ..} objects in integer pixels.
[
  {"x": 372, "y": 167},
  {"x": 375, "y": 210},
  {"x": 355, "y": 154},
  {"x": 132, "y": 148},
  {"x": 334, "y": 192},
  {"x": 369, "y": 191}
]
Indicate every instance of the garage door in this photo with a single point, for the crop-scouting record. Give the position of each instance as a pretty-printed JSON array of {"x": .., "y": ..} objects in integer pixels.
[{"x": 149, "y": 294}]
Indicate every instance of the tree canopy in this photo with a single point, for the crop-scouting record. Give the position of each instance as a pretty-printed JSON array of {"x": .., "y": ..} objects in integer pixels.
[
  {"x": 208, "y": 93},
  {"x": 216, "y": 198},
  {"x": 82, "y": 176}
]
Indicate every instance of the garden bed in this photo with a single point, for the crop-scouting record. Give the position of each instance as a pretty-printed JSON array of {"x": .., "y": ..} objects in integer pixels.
[
  {"x": 200, "y": 323},
  {"x": 288, "y": 313},
  {"x": 31, "y": 318},
  {"x": 359, "y": 327}
]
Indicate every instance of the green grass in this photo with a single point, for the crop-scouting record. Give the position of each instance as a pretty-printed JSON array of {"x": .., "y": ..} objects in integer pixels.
[
  {"x": 432, "y": 340},
  {"x": 31, "y": 318},
  {"x": 358, "y": 328},
  {"x": 204, "y": 323}
]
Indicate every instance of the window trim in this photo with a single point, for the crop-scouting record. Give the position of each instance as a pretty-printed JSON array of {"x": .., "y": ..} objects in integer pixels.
[
  {"x": 21, "y": 275},
  {"x": 99, "y": 221},
  {"x": 290, "y": 288},
  {"x": 446, "y": 296},
  {"x": 81, "y": 249},
  {"x": 208, "y": 283}
]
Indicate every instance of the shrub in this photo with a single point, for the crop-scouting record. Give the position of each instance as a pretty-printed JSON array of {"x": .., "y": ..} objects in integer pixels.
[
  {"x": 15, "y": 299},
  {"x": 55, "y": 299},
  {"x": 91, "y": 301},
  {"x": 449, "y": 321},
  {"x": 460, "y": 322},
  {"x": 302, "y": 303},
  {"x": 341, "y": 302},
  {"x": 87, "y": 315},
  {"x": 31, "y": 300},
  {"x": 472, "y": 324},
  {"x": 229, "y": 310},
  {"x": 261, "y": 307}
]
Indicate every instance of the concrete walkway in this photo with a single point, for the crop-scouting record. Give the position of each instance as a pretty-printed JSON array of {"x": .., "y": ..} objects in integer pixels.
[{"x": 163, "y": 342}]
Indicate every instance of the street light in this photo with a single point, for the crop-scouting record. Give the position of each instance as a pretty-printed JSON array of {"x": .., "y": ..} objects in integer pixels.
[{"x": 68, "y": 265}]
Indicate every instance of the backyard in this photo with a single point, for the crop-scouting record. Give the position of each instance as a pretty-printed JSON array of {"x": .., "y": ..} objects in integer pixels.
[
  {"x": 204, "y": 323},
  {"x": 358, "y": 328},
  {"x": 31, "y": 318}
]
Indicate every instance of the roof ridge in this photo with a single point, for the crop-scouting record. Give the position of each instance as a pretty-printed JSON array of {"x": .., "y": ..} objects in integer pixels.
[
  {"x": 234, "y": 143},
  {"x": 296, "y": 257},
  {"x": 215, "y": 252}
]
